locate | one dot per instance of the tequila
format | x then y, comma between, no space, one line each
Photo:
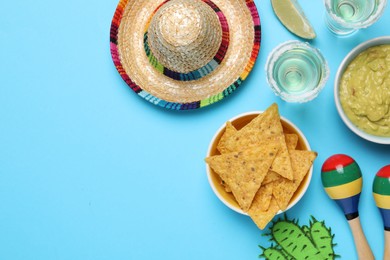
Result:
344,17
353,11
296,71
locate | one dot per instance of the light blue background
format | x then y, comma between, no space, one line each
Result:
89,170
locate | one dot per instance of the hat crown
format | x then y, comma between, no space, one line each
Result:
184,35
180,27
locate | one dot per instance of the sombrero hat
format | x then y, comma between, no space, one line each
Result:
185,54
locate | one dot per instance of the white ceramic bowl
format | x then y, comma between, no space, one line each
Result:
240,121
344,64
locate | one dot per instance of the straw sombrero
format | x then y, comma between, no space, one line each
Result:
185,54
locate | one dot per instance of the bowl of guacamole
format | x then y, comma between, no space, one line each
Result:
362,90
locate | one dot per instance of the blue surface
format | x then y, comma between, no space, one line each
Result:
89,170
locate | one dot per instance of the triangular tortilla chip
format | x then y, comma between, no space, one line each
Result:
291,141
260,128
283,189
282,162
262,218
230,130
256,130
244,171
270,177
263,197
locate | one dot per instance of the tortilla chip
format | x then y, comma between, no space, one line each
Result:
282,162
244,171
270,177
262,218
291,141
256,130
283,189
263,127
263,197
230,130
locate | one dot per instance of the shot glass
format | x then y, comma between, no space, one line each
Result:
296,71
344,17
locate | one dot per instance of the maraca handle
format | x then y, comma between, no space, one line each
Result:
362,246
386,255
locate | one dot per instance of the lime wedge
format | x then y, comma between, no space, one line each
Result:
292,17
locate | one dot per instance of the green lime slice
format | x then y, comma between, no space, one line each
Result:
292,17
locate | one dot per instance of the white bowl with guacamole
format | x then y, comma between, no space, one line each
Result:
362,90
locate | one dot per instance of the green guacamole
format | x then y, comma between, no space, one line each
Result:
365,91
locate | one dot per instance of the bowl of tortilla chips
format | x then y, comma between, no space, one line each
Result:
259,164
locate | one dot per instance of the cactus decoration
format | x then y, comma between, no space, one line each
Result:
299,242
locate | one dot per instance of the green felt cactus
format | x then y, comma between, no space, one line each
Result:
296,242
272,253
291,238
322,238
306,230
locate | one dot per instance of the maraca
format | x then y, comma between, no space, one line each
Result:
342,180
381,192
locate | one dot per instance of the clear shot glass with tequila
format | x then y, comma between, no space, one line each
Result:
344,17
296,71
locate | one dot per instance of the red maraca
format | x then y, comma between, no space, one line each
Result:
342,180
381,192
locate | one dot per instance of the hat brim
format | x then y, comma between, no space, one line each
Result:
127,50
